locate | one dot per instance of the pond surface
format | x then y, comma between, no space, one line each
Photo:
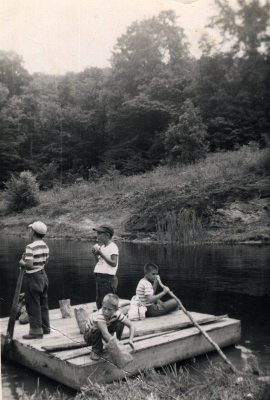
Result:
217,279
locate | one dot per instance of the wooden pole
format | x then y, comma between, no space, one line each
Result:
205,334
12,318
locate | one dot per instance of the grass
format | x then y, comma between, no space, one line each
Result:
174,383
160,202
180,228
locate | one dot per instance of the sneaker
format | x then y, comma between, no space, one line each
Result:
94,356
33,336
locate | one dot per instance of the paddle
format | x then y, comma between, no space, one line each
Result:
10,329
205,334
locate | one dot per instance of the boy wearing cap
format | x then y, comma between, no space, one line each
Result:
106,255
36,291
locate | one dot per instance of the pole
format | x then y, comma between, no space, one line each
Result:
12,318
205,334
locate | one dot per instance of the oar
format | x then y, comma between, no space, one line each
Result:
205,334
10,329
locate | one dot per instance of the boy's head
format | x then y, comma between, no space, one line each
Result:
110,305
39,229
150,271
104,232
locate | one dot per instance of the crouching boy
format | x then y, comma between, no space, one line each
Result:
103,323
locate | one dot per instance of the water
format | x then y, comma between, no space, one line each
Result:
218,280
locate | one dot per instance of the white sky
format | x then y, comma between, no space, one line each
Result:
56,36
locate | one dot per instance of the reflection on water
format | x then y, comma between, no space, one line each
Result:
218,280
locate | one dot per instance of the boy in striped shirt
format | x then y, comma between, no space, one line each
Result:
103,323
36,282
146,292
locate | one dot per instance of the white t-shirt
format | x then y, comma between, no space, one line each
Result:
144,288
102,267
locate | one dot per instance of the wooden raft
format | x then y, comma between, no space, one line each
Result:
158,341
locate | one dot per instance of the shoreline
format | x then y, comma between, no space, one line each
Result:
146,240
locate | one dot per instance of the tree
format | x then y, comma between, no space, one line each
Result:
185,141
233,88
12,73
245,27
146,49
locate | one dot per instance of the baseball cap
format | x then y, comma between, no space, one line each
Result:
104,228
38,227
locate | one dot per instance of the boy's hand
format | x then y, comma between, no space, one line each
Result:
22,263
166,289
130,342
95,249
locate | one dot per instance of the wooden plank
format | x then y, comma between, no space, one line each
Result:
64,346
190,345
69,354
170,347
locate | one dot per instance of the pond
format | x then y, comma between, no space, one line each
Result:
214,279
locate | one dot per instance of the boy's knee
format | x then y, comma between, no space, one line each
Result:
87,337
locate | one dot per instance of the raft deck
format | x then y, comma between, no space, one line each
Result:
158,341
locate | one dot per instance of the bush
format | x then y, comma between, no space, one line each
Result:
185,141
22,192
47,176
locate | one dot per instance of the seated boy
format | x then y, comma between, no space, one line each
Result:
103,323
146,291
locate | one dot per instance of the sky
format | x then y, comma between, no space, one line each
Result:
58,36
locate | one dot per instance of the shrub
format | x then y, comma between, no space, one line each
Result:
47,176
185,141
22,192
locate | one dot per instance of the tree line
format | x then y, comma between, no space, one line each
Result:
155,105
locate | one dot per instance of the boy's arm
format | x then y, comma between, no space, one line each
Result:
28,264
96,257
112,261
155,284
131,326
104,331
153,298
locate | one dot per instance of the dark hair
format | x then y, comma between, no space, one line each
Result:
150,267
39,235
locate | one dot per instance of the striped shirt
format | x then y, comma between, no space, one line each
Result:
37,251
98,316
144,289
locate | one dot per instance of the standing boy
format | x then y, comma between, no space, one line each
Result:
106,255
36,291
146,291
103,323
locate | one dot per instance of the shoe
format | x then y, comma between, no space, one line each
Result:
46,331
94,356
33,336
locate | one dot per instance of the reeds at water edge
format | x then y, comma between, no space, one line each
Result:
182,227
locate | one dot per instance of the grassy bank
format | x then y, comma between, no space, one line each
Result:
172,383
224,198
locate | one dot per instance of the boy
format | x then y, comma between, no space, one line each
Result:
146,291
106,256
103,323
36,294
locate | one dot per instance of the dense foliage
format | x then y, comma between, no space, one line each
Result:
22,192
155,105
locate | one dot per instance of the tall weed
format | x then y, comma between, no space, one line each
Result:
180,228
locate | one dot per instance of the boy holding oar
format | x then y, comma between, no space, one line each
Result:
36,292
146,292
